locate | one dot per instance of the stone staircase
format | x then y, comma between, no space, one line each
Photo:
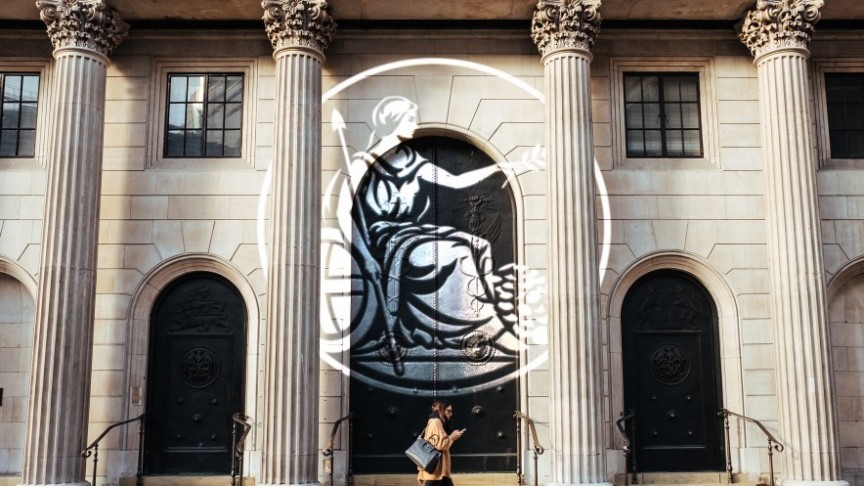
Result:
688,479
185,481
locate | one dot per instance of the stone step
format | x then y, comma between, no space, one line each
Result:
688,478
185,481
482,479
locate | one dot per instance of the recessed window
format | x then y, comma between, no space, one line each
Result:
204,116
844,97
18,122
662,115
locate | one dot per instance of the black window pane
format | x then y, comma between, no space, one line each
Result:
214,143
632,88
234,90
216,89
673,115
177,88
195,115
634,115
671,89
11,115
11,88
653,143
692,143
834,92
215,115
30,88
690,115
856,144
690,88
195,90
28,115
674,143
855,116
652,115
27,143
232,143
233,114
174,143
176,116
8,143
193,143
635,143
650,88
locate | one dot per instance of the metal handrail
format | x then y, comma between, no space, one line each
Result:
538,449
773,443
93,448
628,448
238,445
328,451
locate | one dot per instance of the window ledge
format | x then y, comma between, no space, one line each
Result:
665,163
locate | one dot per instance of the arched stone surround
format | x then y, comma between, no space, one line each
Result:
728,329
138,334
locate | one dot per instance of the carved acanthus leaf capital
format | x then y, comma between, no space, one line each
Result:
88,24
565,24
778,24
300,23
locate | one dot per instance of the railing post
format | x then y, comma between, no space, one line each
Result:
139,474
771,461
519,475
95,462
728,447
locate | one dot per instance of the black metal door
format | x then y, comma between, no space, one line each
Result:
671,373
452,315
195,380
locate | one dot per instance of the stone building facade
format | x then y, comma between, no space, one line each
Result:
665,216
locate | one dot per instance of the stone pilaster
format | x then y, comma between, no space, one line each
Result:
778,34
84,34
564,32
300,31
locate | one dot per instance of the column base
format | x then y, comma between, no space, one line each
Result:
799,482
85,483
297,484
584,484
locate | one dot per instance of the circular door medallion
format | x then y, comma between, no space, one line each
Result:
200,367
669,364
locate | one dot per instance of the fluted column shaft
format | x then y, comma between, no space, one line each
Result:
807,424
778,33
56,430
291,364
564,34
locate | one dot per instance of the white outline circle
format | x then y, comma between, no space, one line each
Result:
433,61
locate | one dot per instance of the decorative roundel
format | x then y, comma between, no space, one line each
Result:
477,348
669,364
387,354
200,367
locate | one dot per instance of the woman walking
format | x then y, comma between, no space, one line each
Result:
440,434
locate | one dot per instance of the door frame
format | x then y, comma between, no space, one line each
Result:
728,330
138,334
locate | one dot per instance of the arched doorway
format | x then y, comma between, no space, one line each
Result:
671,366
437,274
195,378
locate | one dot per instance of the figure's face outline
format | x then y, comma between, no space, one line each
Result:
407,125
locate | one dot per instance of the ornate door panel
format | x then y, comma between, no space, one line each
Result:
439,279
195,380
671,373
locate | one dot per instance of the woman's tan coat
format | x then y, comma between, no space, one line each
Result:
437,436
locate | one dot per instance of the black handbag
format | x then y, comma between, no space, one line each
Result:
424,454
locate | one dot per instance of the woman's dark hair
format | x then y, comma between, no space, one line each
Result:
438,406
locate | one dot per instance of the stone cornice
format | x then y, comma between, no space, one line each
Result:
85,24
565,24
780,24
299,23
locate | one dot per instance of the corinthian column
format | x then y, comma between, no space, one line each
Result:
84,34
778,32
300,31
564,31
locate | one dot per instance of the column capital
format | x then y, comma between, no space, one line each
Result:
780,24
299,23
565,24
85,24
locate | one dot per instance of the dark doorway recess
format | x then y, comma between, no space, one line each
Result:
455,338
195,376
672,380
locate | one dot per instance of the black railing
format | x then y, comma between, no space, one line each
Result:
328,451
92,450
538,449
773,443
628,446
238,445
